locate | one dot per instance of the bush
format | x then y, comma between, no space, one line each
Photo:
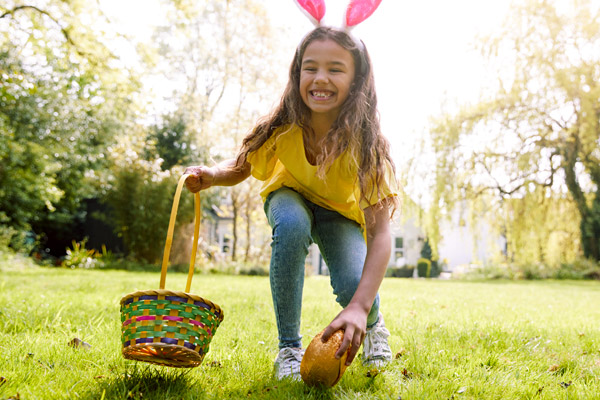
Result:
80,257
577,270
424,268
436,270
256,270
431,270
141,197
226,267
400,272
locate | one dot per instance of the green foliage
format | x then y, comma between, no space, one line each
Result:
226,86
15,240
400,272
427,253
172,142
80,257
580,269
590,227
68,104
243,268
424,268
141,196
28,176
60,105
534,237
534,136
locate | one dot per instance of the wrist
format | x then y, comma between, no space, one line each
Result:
213,174
360,306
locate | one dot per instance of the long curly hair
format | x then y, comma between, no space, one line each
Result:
356,130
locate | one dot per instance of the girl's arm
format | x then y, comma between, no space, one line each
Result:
353,318
223,174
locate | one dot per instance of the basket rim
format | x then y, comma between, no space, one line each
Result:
165,292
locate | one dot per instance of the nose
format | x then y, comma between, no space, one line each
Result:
321,76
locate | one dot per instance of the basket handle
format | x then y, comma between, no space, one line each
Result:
169,241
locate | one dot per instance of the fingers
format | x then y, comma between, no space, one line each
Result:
354,333
353,338
355,342
330,330
346,344
200,178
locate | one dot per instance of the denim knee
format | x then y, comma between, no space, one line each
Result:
345,292
289,218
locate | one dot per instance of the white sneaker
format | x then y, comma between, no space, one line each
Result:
376,350
287,363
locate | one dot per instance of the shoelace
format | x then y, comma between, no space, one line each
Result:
290,356
373,339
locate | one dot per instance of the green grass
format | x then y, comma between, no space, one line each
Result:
453,339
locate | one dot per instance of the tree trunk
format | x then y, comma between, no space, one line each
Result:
248,233
234,205
590,216
590,230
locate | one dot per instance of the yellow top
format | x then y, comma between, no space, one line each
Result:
281,161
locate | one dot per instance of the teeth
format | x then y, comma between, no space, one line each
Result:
321,94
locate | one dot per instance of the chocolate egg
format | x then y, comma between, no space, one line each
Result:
319,366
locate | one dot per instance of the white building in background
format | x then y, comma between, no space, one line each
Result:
219,231
460,245
463,245
407,241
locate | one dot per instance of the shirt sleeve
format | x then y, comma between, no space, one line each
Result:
387,188
263,160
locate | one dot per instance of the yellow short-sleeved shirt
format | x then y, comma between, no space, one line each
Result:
281,161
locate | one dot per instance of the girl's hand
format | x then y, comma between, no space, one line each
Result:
201,178
353,321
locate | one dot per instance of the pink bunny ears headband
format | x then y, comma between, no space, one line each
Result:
357,11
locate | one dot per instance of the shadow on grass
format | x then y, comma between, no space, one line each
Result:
150,383
147,383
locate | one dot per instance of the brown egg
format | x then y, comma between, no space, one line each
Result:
319,366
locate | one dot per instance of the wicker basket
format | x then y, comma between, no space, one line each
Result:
165,327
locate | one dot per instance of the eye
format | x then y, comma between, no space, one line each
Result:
309,69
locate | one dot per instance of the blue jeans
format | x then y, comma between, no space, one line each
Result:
297,223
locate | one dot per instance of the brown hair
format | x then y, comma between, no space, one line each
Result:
356,129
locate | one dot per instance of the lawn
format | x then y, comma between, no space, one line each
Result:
452,339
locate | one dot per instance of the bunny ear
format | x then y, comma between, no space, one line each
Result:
359,10
314,9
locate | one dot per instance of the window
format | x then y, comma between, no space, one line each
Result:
399,251
226,241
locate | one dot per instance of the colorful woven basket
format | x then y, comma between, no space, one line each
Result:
165,327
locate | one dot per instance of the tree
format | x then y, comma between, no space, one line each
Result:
539,133
171,141
533,236
140,196
225,84
61,103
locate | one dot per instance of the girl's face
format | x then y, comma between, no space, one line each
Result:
326,75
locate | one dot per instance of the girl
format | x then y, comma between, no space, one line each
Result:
328,179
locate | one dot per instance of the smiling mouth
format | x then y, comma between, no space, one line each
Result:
321,94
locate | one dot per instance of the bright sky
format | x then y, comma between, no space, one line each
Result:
421,51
